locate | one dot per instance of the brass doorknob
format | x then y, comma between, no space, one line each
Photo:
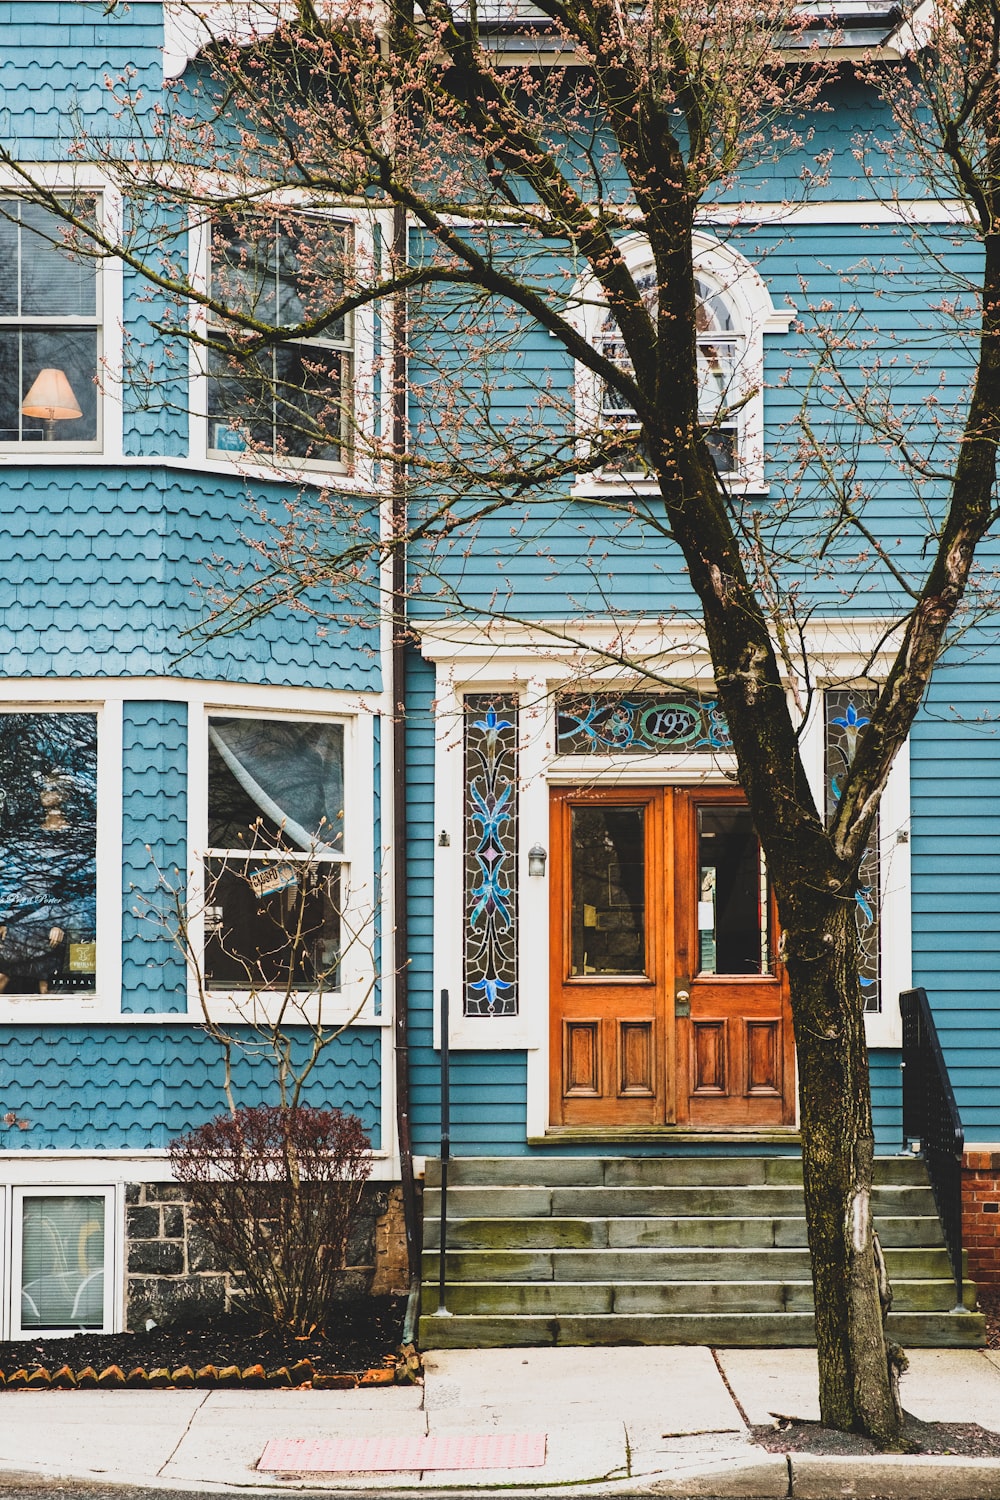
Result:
683,995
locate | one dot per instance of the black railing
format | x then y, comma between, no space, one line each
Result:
442,1309
931,1122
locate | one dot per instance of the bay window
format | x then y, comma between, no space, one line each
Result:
290,397
49,330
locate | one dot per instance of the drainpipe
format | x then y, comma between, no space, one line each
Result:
401,955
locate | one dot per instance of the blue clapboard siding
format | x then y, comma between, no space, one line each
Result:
154,854
557,554
955,790
121,1087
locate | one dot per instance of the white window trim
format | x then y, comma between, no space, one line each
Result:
105,1002
108,444
742,286
524,660
11,1250
359,891
369,227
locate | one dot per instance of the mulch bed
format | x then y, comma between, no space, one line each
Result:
362,1344
962,1439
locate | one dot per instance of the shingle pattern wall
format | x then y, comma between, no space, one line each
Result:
154,828
106,570
121,1087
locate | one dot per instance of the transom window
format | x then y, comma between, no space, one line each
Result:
291,398
274,872
49,330
719,340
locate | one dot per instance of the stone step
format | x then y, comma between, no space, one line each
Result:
564,1298
614,1266
719,1330
648,1171
751,1201
639,1234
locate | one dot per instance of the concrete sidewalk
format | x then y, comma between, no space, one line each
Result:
668,1421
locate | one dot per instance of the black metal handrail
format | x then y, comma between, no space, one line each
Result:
931,1122
442,1309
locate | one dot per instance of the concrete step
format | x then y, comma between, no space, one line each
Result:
677,1264
659,1233
750,1201
648,1171
565,1298
719,1330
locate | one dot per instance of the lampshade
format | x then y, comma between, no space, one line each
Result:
51,398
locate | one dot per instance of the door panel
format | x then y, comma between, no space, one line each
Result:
735,1062
667,1003
610,1029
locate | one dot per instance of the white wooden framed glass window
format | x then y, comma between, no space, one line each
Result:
51,344
63,1270
293,400
282,903
60,857
734,311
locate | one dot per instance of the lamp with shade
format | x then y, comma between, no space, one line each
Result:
51,399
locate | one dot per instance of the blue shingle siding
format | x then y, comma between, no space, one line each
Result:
107,569
124,1087
154,843
54,60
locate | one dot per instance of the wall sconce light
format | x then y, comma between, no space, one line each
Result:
536,860
51,399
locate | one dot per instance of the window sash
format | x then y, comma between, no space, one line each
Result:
63,1259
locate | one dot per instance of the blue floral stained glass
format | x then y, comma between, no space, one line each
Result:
490,855
640,723
846,713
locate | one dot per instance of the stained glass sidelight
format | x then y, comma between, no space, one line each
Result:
846,712
490,854
639,723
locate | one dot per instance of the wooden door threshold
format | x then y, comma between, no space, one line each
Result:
641,1135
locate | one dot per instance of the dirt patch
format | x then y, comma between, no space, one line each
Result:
364,1333
961,1439
989,1303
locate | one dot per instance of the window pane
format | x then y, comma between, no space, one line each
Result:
240,402
275,780
62,1262
243,267
48,844
74,352
308,396
311,266
8,259
54,282
609,890
732,895
10,385
271,924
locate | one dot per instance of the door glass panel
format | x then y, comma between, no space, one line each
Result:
609,890
732,895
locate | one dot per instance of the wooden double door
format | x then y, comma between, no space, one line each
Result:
668,1003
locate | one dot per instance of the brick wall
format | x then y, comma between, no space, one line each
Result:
171,1270
981,1212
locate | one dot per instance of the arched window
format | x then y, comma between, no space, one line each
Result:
734,311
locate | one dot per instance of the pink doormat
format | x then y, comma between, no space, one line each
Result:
373,1454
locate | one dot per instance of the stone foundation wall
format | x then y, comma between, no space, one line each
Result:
171,1270
981,1213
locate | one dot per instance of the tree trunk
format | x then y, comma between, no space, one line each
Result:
857,1391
